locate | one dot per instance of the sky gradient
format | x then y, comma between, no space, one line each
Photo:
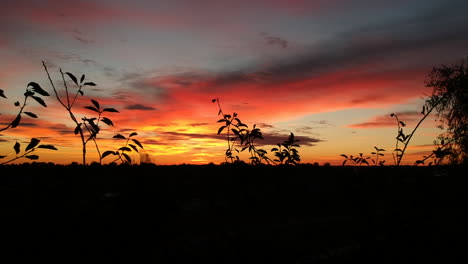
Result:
330,71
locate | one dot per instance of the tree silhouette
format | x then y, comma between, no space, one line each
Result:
450,90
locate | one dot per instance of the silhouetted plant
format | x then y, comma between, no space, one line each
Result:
238,131
287,152
359,160
31,147
443,149
247,138
121,153
32,89
450,86
89,125
92,124
377,155
405,139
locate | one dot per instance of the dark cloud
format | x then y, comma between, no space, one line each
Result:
274,40
139,107
81,36
269,138
198,124
25,124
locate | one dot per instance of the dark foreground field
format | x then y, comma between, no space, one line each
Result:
227,214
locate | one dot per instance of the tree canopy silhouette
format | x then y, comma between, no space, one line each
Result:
450,90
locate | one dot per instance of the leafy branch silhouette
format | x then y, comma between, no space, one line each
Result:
359,160
31,147
242,134
88,125
404,139
34,91
287,152
236,131
121,153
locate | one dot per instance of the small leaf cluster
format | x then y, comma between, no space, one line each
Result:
359,160
378,154
91,124
34,91
442,150
87,125
121,153
286,152
238,132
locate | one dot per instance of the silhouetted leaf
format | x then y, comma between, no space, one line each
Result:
47,147
2,156
39,100
31,114
343,155
221,120
392,114
2,94
89,84
72,77
213,100
82,78
107,153
137,142
92,108
133,147
133,134
127,157
107,121
37,88
119,136
125,149
110,110
402,123
221,129
381,150
77,128
33,143
93,135
17,103
16,122
17,147
28,93
344,162
32,157
81,92
95,103
373,153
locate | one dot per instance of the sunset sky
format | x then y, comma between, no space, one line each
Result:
329,71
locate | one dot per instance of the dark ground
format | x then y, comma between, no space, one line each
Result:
228,214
